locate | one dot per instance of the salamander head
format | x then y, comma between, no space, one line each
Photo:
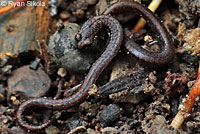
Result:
84,39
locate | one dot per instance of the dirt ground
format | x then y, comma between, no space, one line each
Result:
143,104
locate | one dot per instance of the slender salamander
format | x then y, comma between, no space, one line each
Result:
87,33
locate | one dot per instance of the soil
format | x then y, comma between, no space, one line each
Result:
147,108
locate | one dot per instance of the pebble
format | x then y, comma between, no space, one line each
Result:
4,122
65,15
93,109
91,2
193,60
64,51
190,83
28,83
16,130
91,131
79,13
73,124
5,70
62,72
110,114
109,130
52,130
132,122
35,64
2,93
159,126
125,127
3,109
197,118
190,124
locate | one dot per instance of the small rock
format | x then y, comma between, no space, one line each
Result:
125,127
28,83
132,122
35,64
52,130
91,2
91,131
64,51
62,72
92,111
84,106
73,124
148,38
15,101
10,28
2,93
3,109
79,13
6,69
192,37
109,130
197,118
152,78
190,59
160,126
190,124
110,114
150,89
190,83
16,130
65,15
188,69
176,83
5,122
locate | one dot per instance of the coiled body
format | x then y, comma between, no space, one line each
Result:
155,58
88,31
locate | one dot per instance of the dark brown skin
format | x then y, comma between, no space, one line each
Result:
157,58
87,33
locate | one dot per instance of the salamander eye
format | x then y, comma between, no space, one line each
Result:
84,43
78,36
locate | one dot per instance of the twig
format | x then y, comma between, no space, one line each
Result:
141,23
189,103
77,129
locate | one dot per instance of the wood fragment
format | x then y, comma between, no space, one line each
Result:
29,25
